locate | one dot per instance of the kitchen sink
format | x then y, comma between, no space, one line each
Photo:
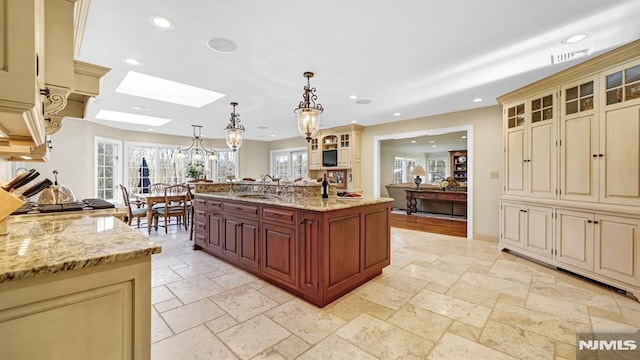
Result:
257,196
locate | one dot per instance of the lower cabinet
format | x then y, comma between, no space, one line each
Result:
601,246
528,227
317,255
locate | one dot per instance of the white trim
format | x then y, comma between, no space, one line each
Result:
118,166
287,150
468,128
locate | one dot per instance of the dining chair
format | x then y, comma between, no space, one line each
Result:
157,188
136,212
176,199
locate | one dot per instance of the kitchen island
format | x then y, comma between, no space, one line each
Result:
74,286
318,249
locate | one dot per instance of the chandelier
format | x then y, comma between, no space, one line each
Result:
308,112
234,130
197,152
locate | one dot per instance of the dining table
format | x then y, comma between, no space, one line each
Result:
157,198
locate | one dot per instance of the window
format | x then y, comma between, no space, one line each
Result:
289,163
159,159
402,169
226,167
107,156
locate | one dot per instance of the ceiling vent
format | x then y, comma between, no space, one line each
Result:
560,58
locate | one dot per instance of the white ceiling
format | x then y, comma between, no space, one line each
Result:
413,57
428,143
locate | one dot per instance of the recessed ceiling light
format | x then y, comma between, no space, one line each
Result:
222,45
396,114
131,118
273,135
132,61
262,127
432,141
434,145
477,99
353,97
574,39
151,87
354,121
450,150
413,141
140,108
363,101
150,129
161,22
463,136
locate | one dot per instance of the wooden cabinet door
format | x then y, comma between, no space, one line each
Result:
248,244
620,147
511,224
279,254
574,238
515,166
542,160
539,230
579,159
230,232
215,229
617,249
308,250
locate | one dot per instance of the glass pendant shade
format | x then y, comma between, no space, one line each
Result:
308,112
234,131
197,151
308,122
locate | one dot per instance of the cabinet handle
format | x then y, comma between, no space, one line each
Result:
600,155
589,221
524,211
596,222
239,208
595,155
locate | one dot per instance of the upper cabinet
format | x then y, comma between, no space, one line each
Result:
40,82
337,149
530,146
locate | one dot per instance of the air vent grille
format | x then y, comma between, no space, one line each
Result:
560,58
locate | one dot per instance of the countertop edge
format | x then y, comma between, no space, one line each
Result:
313,204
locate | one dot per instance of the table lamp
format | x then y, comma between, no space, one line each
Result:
418,171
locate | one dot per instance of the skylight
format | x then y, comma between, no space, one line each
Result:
131,118
151,87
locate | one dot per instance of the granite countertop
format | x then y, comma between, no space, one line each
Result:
304,203
41,245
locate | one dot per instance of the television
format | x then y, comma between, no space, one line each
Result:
330,158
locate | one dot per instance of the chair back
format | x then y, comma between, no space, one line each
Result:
125,195
178,189
157,188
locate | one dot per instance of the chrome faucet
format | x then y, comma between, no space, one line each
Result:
264,184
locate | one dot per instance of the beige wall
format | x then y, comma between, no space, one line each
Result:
387,165
73,154
487,157
295,142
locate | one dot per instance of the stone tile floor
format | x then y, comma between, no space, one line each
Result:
442,297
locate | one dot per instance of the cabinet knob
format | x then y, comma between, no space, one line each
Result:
596,222
600,155
595,155
589,221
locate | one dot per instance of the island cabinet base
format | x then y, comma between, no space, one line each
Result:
100,312
317,255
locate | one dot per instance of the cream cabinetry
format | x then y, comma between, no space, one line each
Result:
40,82
591,143
22,72
528,227
337,149
530,146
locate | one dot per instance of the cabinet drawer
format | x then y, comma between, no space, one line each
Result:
213,206
279,215
200,227
247,210
200,214
200,202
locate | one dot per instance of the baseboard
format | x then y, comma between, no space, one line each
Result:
489,238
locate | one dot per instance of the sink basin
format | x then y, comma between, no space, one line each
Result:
256,196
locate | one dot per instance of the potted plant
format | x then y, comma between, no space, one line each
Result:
195,171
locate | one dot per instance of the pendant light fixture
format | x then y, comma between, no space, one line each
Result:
197,152
234,130
308,112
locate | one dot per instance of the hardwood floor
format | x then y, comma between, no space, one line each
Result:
438,226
